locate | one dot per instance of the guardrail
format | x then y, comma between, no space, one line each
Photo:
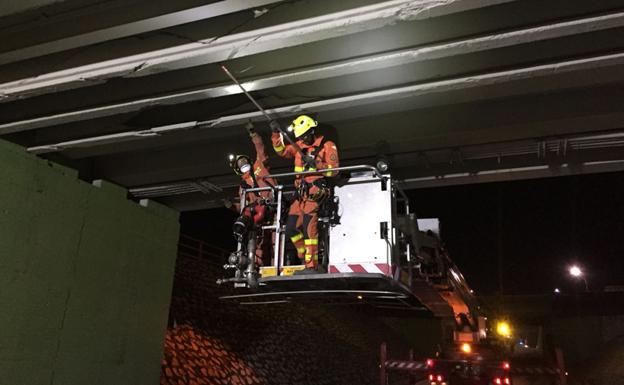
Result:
196,247
361,167
415,368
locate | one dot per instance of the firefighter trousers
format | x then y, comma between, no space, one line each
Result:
302,229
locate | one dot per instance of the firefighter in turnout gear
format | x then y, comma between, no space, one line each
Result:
256,210
317,154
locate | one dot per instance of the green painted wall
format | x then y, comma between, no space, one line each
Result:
85,277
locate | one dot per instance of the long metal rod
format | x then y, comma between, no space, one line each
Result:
251,98
362,167
259,107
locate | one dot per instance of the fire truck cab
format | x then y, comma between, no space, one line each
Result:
469,364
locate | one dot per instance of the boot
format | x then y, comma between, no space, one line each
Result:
306,271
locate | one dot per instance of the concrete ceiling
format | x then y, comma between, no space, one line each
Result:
449,91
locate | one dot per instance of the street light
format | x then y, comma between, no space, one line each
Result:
503,329
576,272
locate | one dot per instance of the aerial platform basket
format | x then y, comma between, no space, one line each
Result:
373,248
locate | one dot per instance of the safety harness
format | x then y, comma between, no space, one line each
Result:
321,183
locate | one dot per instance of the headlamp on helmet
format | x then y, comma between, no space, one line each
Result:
233,161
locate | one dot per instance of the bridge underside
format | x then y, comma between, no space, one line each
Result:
449,92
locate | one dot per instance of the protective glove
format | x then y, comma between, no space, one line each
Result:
309,161
275,127
227,202
250,128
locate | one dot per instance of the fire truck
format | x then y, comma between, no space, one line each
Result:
383,257
469,364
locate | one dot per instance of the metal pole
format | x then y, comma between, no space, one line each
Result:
412,377
243,203
383,357
278,231
408,251
560,366
282,247
229,74
262,110
500,240
251,255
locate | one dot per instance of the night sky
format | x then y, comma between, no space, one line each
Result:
545,225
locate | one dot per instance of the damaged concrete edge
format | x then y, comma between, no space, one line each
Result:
421,11
320,72
264,39
455,84
132,28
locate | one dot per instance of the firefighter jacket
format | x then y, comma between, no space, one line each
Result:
324,152
259,169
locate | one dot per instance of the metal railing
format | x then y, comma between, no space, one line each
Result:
196,247
414,368
278,247
362,167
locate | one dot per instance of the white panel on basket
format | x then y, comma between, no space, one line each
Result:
363,206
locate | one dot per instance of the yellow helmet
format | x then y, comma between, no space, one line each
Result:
303,124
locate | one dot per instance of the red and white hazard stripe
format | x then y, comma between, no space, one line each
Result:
379,268
405,365
534,370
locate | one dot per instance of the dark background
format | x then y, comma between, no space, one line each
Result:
535,228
